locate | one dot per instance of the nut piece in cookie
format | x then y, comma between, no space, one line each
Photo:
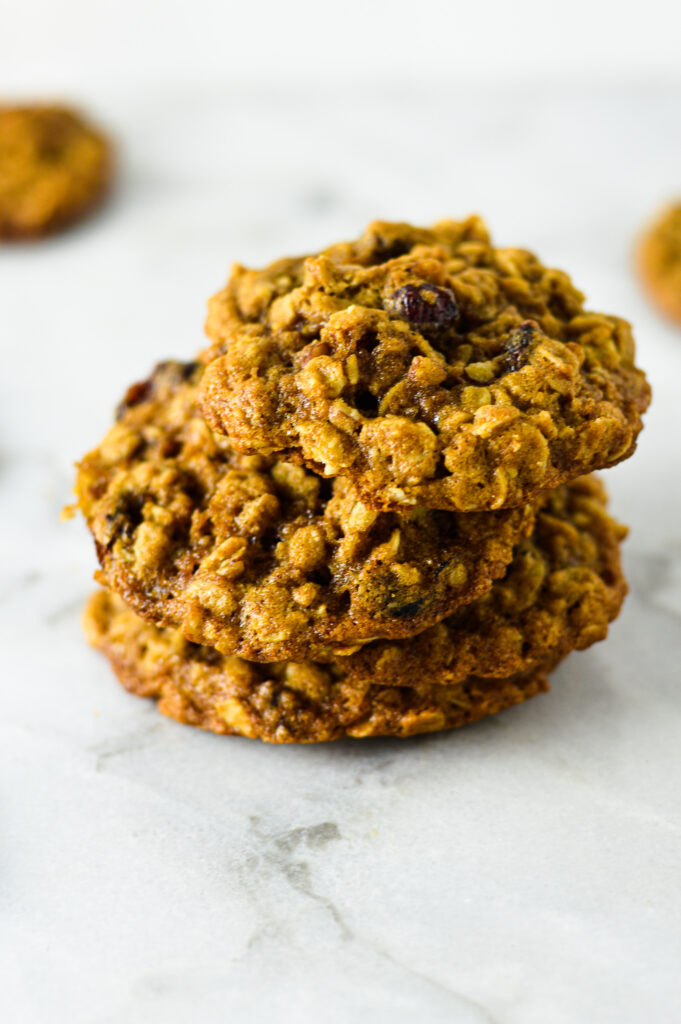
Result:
259,557
429,366
54,169
659,261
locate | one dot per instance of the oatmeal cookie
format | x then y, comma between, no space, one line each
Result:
285,702
562,590
427,365
258,557
659,261
54,168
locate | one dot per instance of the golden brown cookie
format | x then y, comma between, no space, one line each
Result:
659,261
54,169
262,558
284,703
560,593
564,587
428,365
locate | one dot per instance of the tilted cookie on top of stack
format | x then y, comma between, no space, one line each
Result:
362,511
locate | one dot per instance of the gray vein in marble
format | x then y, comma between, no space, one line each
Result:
298,875
412,972
128,744
275,858
316,836
19,584
64,611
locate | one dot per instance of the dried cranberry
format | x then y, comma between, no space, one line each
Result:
427,307
406,611
189,369
385,250
174,371
366,403
135,394
516,348
125,518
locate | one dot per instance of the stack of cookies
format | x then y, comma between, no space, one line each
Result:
363,510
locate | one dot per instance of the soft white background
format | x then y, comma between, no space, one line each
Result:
524,871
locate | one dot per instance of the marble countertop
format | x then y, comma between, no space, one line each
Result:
521,871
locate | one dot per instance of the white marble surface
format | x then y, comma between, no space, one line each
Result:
523,871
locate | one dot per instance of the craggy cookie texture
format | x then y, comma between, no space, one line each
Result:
562,590
54,168
261,558
286,702
427,365
659,261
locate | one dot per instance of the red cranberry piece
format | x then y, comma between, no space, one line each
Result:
135,394
427,307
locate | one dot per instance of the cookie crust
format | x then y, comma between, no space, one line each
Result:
54,169
258,557
428,365
285,703
659,261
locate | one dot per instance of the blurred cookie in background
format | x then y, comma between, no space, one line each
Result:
55,168
658,260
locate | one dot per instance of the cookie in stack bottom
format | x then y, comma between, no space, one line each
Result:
562,589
